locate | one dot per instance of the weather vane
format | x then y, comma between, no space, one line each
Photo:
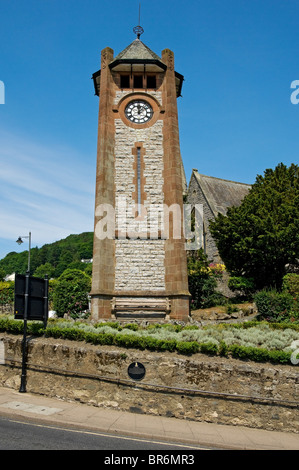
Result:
138,30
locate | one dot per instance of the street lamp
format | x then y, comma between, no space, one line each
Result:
23,376
19,241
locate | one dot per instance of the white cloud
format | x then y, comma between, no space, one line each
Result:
48,191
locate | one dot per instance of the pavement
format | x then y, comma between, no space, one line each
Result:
55,412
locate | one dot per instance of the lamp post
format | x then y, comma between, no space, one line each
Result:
23,376
20,241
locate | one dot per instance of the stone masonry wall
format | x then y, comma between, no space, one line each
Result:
195,196
199,387
139,264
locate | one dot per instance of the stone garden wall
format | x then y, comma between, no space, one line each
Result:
198,387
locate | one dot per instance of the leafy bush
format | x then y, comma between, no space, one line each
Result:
209,348
273,305
17,326
71,293
6,292
187,347
259,354
202,279
290,284
242,284
251,340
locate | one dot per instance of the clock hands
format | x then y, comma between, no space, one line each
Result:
139,112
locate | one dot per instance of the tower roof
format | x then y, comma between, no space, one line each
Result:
137,50
137,57
137,54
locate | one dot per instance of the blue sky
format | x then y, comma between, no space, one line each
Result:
238,57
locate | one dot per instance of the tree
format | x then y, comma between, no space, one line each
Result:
43,270
258,238
61,255
71,293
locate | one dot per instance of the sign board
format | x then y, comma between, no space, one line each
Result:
136,371
37,298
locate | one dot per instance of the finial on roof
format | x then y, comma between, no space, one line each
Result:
138,30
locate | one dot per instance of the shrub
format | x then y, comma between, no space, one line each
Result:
202,280
6,292
259,354
273,305
242,284
256,341
187,347
209,348
71,293
111,324
129,341
131,326
290,284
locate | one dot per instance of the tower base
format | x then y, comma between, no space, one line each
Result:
122,307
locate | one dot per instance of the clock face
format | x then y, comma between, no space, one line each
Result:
139,111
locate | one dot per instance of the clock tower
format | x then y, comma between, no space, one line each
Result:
139,259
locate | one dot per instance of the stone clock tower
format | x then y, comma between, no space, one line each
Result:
139,259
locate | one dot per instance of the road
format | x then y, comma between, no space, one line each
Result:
20,435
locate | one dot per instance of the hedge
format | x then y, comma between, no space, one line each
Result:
147,342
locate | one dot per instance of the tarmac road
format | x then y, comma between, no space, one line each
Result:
21,435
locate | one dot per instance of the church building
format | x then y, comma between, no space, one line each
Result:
216,195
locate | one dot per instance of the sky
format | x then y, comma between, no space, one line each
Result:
238,114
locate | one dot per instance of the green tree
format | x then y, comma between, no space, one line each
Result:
2,274
43,270
61,254
70,294
258,238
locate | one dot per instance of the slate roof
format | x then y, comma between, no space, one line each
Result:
137,50
221,194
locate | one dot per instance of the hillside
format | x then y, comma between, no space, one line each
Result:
53,258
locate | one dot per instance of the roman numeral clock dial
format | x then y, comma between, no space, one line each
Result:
139,111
